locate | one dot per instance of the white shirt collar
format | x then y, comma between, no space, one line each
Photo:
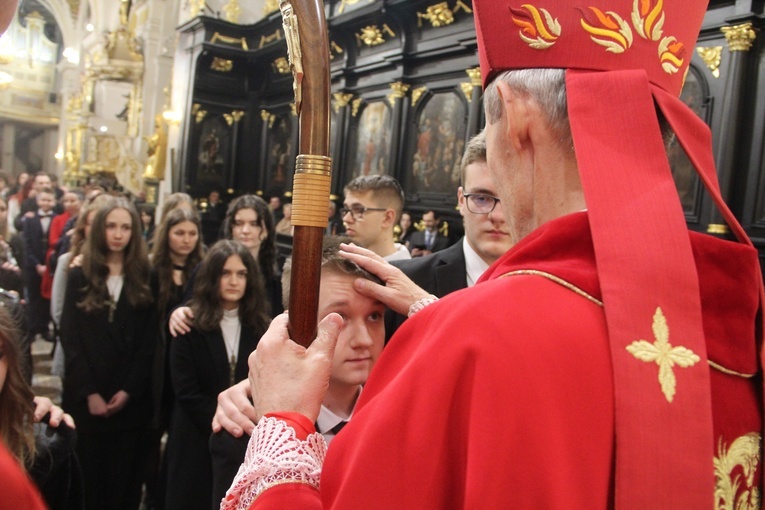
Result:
475,266
401,253
327,420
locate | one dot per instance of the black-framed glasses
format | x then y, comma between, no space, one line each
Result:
357,211
480,203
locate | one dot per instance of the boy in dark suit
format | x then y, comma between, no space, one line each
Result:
35,233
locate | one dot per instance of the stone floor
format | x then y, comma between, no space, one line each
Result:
43,383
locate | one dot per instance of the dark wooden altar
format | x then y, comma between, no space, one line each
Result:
406,98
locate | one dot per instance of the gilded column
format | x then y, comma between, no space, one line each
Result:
474,106
740,39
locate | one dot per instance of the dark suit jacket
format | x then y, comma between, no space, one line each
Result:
417,240
35,243
105,357
199,369
30,204
439,273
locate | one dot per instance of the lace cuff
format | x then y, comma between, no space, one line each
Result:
420,304
274,457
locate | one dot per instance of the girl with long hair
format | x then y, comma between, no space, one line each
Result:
15,201
250,222
45,449
109,332
16,398
229,318
60,277
177,251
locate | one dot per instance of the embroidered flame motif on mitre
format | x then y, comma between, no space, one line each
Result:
648,18
535,31
607,29
671,54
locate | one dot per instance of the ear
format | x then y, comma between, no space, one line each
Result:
461,200
515,115
389,218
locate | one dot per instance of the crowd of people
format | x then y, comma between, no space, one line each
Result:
152,320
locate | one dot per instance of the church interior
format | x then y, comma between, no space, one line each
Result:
160,96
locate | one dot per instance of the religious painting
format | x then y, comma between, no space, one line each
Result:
686,179
370,147
280,162
213,153
440,140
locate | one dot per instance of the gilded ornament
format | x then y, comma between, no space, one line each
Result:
439,15
234,41
467,89
538,33
294,51
712,57
739,37
195,108
355,105
341,100
281,65
345,3
372,35
234,116
232,11
222,65
271,121
399,92
156,151
475,76
294,109
417,94
735,470
335,48
74,7
196,7
270,6
264,114
267,39
718,228
200,116
460,5
663,354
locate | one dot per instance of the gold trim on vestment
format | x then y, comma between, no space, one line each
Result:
559,281
574,288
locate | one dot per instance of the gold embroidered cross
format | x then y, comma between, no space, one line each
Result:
663,354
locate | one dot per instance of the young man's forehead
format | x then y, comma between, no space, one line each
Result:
365,198
345,294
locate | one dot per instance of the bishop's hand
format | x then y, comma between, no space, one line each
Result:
399,292
287,377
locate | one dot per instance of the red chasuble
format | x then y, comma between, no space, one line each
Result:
16,490
501,396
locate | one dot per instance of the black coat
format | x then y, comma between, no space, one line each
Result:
439,273
106,357
199,369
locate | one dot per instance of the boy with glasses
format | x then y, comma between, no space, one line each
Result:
372,206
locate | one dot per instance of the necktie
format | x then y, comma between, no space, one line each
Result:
337,428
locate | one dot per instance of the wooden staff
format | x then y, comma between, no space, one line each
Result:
305,30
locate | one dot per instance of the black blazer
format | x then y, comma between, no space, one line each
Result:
199,369
35,242
105,357
417,240
439,273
